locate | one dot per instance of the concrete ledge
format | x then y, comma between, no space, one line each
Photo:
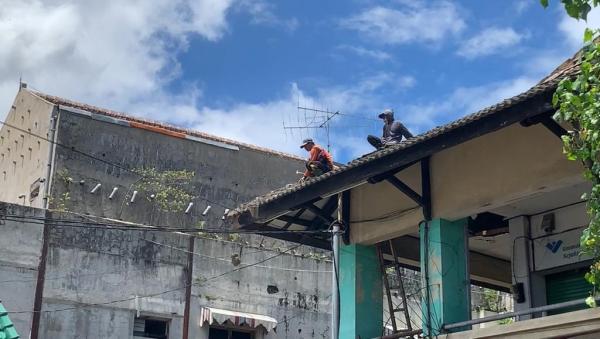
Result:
556,326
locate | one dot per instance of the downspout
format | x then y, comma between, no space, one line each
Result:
41,272
52,136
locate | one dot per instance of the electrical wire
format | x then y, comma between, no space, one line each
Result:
123,226
229,260
158,293
93,157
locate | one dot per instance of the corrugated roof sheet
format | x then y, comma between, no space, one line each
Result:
7,329
107,112
567,69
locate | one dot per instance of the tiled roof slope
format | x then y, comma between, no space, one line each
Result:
94,109
568,68
7,329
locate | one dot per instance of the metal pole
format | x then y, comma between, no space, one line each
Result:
335,300
579,302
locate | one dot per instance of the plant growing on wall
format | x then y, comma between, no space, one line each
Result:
169,188
60,204
578,104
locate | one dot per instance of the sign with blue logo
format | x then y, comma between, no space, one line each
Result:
558,250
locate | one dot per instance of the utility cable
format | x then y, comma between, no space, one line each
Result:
158,293
123,226
93,157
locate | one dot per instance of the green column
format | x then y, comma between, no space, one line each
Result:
444,260
361,292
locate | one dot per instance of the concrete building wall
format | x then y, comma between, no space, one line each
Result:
290,288
87,267
20,248
223,178
23,156
528,236
97,280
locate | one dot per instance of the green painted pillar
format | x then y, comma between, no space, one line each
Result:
444,268
361,292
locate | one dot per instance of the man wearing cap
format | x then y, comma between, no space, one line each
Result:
393,131
319,160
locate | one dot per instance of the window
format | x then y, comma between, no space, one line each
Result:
226,333
145,327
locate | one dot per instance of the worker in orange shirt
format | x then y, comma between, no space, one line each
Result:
319,160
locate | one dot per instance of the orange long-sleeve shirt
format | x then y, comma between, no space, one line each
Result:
319,154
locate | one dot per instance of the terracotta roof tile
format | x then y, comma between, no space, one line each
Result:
107,112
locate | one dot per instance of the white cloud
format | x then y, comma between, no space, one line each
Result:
462,101
490,41
415,21
375,54
262,123
522,5
573,29
262,12
104,52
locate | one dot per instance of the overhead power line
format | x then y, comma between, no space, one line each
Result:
93,157
84,305
128,226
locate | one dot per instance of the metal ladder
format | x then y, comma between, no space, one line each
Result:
403,307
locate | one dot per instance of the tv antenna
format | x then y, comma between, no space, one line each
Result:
320,119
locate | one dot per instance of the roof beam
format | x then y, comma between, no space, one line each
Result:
547,121
294,220
290,222
554,127
292,236
380,177
327,209
404,188
321,214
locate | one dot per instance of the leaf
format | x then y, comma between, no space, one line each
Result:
588,35
544,3
584,10
590,301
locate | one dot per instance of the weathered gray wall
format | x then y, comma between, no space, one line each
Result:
96,265
20,248
99,265
94,274
223,176
301,305
23,156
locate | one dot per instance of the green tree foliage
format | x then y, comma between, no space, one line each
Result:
578,104
577,9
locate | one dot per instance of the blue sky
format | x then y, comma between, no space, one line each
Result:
239,69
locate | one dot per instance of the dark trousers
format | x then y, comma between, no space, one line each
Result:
375,141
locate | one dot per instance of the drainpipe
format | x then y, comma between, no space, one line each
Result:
335,297
335,300
52,135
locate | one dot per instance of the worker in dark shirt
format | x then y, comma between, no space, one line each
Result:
393,131
319,160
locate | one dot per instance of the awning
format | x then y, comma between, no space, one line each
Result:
220,316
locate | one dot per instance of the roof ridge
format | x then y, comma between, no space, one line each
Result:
120,115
